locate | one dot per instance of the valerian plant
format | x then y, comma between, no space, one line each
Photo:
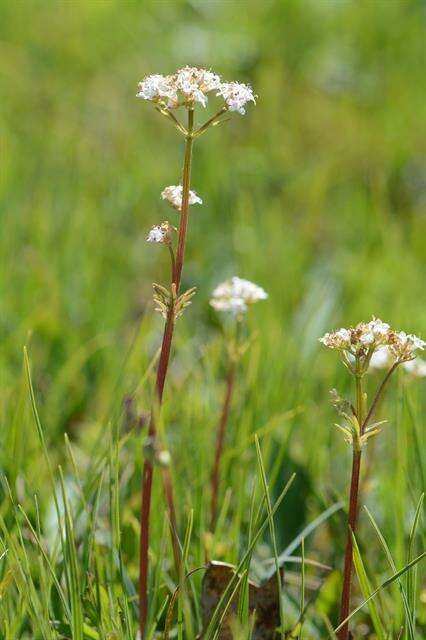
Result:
186,90
233,297
359,347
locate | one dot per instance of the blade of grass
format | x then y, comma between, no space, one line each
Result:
366,590
183,605
393,567
71,562
384,585
412,577
225,595
302,590
272,532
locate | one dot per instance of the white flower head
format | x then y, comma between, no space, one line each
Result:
173,195
160,233
340,339
187,86
362,340
379,330
194,84
158,88
403,346
374,344
191,85
236,95
236,295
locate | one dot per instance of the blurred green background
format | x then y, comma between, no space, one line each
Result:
317,194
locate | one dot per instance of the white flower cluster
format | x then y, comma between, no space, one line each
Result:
173,195
236,295
190,85
402,345
158,88
236,95
160,233
383,358
367,337
195,83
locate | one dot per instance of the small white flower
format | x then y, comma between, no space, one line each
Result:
160,233
194,83
403,345
367,338
156,234
236,95
378,328
158,88
173,195
415,367
236,295
340,339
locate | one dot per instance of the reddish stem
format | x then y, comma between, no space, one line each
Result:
160,381
230,380
353,497
352,520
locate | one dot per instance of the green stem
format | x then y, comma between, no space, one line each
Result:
210,121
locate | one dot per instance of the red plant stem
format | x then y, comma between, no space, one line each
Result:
352,520
160,381
353,497
378,396
353,512
230,380
186,181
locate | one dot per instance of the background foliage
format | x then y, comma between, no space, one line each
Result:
317,195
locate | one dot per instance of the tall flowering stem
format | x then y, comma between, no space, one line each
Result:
352,514
358,346
163,365
234,297
186,88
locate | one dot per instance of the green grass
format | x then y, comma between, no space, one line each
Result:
316,194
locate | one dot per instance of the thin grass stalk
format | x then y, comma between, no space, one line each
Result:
384,585
163,364
220,439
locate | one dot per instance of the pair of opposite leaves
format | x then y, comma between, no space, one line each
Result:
263,602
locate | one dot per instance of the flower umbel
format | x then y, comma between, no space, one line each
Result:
236,96
368,340
160,233
185,87
403,346
173,195
236,295
160,89
195,83
191,85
